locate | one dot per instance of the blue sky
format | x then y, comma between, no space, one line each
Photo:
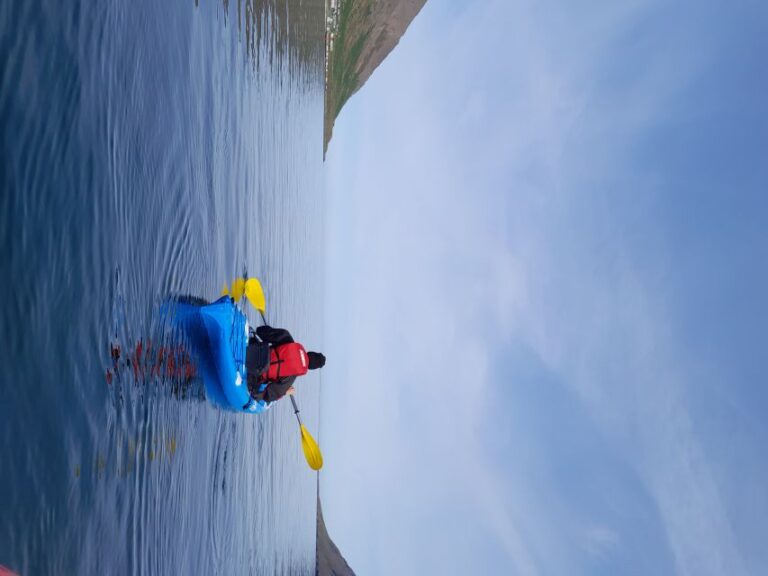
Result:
546,291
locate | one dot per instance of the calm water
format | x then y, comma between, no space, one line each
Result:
152,148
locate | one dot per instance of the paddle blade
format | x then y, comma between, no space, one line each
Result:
224,291
255,294
311,449
238,287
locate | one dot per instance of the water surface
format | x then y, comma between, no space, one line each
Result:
152,148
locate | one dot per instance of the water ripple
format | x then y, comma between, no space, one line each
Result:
147,150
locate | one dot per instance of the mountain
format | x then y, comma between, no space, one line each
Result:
330,562
361,33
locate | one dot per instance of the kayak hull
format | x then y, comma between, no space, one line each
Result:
218,334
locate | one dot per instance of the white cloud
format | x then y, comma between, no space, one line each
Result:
600,540
484,211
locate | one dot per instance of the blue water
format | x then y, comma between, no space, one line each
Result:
149,149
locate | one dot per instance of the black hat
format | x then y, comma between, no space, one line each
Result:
316,360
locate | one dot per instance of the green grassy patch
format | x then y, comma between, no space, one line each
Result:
350,39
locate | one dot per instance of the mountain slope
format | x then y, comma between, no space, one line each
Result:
330,562
366,31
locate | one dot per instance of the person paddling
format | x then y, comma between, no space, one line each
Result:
274,361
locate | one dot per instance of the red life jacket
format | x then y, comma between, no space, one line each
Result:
286,360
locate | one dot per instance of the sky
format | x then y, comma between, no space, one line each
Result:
546,294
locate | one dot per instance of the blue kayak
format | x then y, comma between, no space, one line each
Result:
218,334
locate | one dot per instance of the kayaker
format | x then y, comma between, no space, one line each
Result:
274,361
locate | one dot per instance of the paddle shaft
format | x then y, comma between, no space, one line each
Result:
296,410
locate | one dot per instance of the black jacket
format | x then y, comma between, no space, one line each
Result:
274,337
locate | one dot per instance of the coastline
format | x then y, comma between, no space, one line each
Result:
328,559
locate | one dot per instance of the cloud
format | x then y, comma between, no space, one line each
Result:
600,540
497,196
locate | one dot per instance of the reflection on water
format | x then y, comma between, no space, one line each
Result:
123,458
154,362
270,29
164,366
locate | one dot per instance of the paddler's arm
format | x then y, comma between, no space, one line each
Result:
274,336
276,390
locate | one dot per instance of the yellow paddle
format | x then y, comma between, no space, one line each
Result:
238,287
255,294
308,444
252,290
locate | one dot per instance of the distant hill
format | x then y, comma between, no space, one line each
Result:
365,32
330,562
